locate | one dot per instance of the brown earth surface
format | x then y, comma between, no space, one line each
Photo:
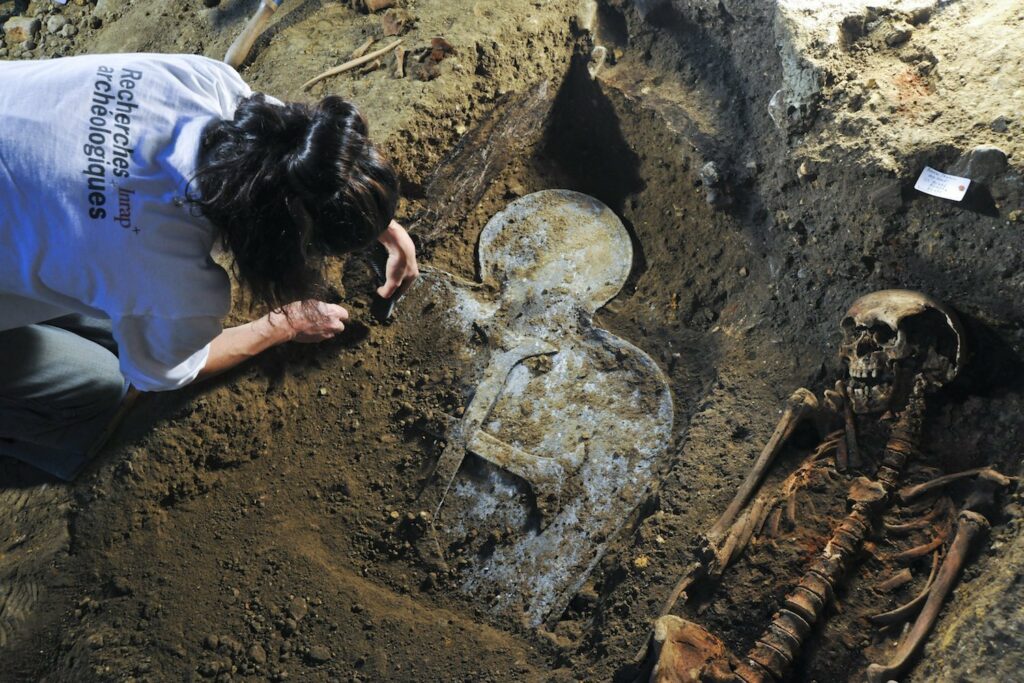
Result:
267,526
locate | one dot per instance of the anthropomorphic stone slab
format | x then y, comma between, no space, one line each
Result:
559,441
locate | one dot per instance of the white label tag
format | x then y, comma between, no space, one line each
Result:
942,185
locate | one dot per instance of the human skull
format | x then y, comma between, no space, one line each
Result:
889,339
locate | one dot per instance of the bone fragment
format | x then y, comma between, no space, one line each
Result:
372,66
905,611
970,526
911,492
351,64
943,507
400,62
684,652
908,556
851,427
842,455
774,521
361,50
900,578
797,406
742,530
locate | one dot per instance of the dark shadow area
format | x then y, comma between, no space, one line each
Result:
296,13
584,139
992,368
231,11
979,200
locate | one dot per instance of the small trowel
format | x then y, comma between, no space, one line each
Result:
381,308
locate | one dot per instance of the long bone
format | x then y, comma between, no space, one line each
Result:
798,405
969,528
722,544
907,610
909,493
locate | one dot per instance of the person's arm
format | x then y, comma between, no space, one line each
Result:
401,268
294,322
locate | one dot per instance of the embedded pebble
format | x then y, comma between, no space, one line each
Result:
55,23
297,608
257,654
319,654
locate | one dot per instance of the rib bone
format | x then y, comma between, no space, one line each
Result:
970,526
905,611
909,493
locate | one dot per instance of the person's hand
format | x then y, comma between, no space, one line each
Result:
401,268
310,321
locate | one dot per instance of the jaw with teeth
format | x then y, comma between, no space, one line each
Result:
870,384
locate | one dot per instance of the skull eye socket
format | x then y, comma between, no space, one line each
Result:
882,334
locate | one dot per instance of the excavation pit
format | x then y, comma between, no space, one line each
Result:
286,509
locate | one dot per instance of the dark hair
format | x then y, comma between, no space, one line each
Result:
286,185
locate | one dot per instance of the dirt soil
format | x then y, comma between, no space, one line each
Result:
267,526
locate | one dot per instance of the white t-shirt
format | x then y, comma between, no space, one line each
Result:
95,155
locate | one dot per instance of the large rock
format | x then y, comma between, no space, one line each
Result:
984,162
19,29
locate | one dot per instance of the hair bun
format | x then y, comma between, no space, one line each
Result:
284,183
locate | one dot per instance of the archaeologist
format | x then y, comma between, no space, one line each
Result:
118,175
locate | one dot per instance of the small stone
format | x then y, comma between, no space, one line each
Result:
21,29
598,57
231,645
897,36
95,641
297,608
1000,124
211,642
257,654
743,273
69,31
709,174
806,171
378,5
586,16
323,391
55,23
120,586
920,15
318,654
396,21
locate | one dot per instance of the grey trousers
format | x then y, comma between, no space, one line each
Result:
60,385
